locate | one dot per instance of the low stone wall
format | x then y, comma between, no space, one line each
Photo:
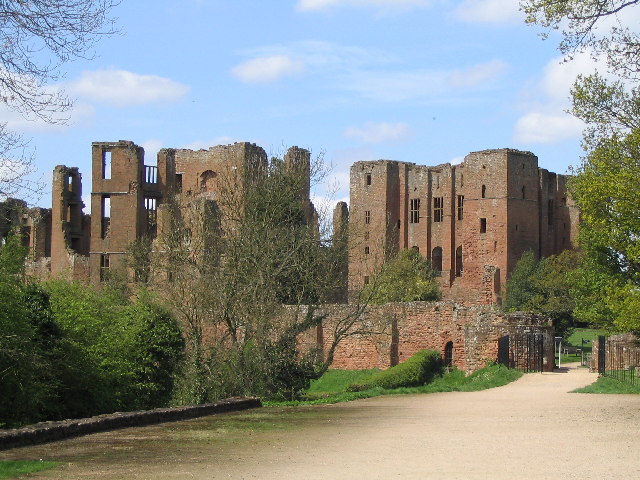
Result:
51,431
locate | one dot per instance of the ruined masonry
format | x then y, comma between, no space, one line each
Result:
473,221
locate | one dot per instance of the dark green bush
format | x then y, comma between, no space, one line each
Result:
421,368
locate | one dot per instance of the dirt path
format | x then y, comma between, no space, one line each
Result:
531,429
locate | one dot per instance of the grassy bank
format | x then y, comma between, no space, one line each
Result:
332,386
11,469
609,385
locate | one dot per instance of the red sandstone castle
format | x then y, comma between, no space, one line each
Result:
473,220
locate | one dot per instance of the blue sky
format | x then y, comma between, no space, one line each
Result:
424,81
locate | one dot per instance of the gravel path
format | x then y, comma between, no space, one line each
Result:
530,429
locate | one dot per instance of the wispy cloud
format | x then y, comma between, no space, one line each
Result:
545,120
268,69
479,74
382,6
383,132
495,12
124,88
205,144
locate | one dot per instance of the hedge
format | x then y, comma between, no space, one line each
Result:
417,370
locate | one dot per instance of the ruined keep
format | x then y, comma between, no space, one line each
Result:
473,220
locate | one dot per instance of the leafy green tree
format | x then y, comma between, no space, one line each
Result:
545,286
408,277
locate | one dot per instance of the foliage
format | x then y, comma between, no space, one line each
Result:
545,286
422,367
490,376
598,26
337,380
407,277
607,191
609,385
38,37
14,468
233,263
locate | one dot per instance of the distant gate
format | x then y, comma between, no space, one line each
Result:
523,351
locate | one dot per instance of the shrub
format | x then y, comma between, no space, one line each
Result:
419,369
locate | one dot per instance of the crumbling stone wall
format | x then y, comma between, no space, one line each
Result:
398,330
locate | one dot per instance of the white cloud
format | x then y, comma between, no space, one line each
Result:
124,88
540,127
456,160
398,86
80,114
477,74
386,6
380,132
545,120
496,12
268,69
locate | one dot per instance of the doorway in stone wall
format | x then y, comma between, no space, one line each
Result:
448,355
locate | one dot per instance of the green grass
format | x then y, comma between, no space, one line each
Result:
337,381
609,385
11,469
575,340
454,381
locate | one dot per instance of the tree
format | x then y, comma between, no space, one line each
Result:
607,190
407,277
38,37
545,286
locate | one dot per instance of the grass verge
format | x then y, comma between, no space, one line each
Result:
609,385
454,381
10,469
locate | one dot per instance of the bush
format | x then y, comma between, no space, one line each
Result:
421,368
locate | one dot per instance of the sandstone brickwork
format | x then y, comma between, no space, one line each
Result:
473,220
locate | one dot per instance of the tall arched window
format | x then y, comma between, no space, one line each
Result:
436,259
459,261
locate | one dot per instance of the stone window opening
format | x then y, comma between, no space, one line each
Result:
104,267
460,207
459,266
483,225
416,248
151,207
366,279
208,181
414,216
105,216
367,179
462,179
438,209
398,224
367,217
436,260
484,191
448,355
367,250
106,165
178,182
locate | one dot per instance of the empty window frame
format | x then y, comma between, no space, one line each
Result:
483,225
438,209
367,179
414,212
178,182
367,250
151,207
460,207
459,267
105,216
367,217
104,267
106,165
436,259
484,191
